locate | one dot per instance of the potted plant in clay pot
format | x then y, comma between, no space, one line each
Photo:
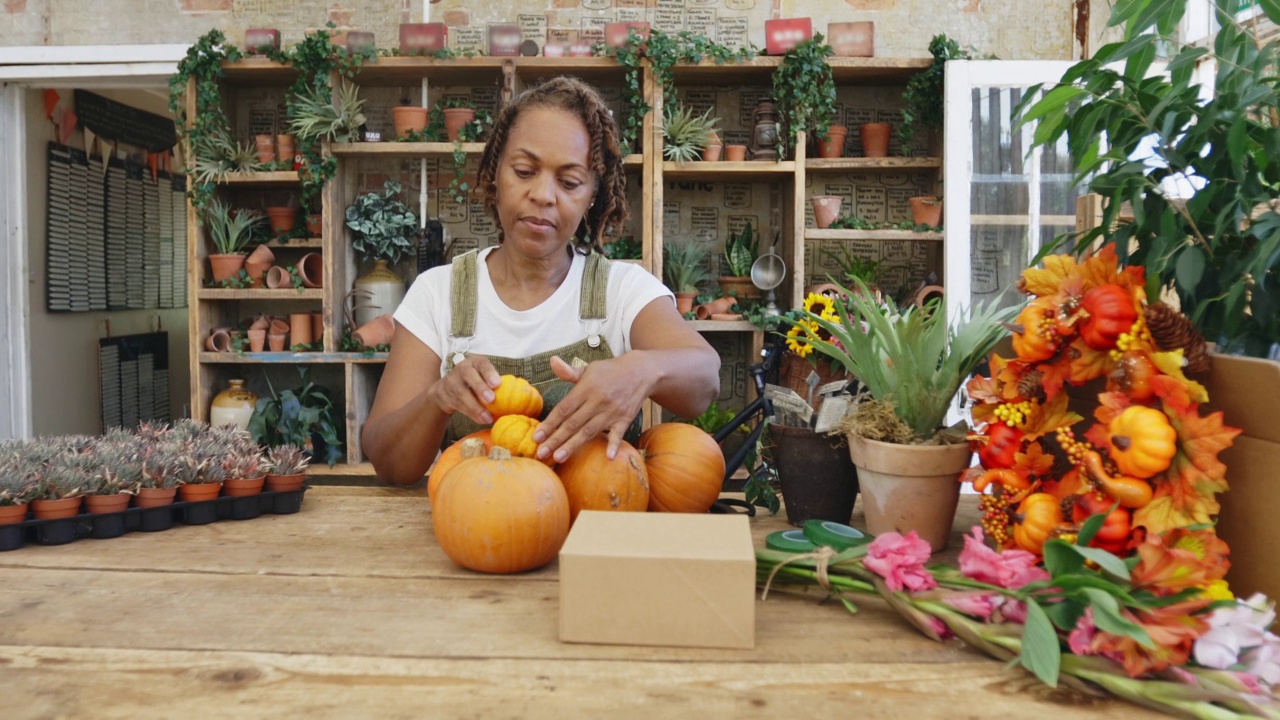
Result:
15,495
912,362
458,113
826,208
685,135
384,230
926,210
113,481
229,232
313,118
741,251
286,468
683,268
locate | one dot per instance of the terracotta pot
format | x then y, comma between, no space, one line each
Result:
275,342
12,514
684,301
711,153
315,225
909,487
285,483
826,208
719,305
455,118
317,327
735,153
261,322
741,287
726,317
225,266
284,148
258,263
311,268
219,340
300,328
154,497
266,148
199,492
826,288
278,326
926,210
102,504
282,218
278,277
377,331
817,477
409,119
257,339
56,509
875,139
244,487
833,146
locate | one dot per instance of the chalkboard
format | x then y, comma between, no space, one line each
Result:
121,123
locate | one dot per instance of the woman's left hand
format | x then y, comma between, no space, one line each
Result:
606,396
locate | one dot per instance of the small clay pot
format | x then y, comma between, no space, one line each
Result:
409,119
284,148
243,487
11,514
285,483
219,340
101,504
199,492
826,208
711,153
257,339
282,219
455,118
266,148
875,139
311,268
833,146
719,305
275,342
735,153
684,301
317,327
278,277
315,224
225,266
154,497
377,331
257,265
300,329
56,509
926,210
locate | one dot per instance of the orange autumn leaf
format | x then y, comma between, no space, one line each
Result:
1185,493
1172,385
984,390
1035,460
984,413
1087,363
1047,417
1047,281
1110,404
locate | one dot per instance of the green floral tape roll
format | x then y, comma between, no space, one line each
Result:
792,541
834,535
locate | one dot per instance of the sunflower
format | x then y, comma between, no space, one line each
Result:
822,306
798,337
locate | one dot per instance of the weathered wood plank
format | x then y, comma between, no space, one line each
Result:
83,682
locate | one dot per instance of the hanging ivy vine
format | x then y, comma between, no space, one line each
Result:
203,64
804,92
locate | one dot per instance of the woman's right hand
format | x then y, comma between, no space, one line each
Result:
467,388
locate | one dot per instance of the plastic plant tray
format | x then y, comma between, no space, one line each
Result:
110,525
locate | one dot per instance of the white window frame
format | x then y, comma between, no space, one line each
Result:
86,66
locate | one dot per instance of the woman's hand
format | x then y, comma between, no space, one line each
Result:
467,388
606,395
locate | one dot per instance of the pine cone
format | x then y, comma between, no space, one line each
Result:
1171,330
1029,385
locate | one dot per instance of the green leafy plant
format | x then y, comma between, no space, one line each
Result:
804,91
684,265
923,94
686,134
912,359
624,248
741,252
1215,241
383,224
338,118
292,416
711,419
207,132
857,268
229,231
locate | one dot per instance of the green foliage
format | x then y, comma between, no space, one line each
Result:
923,95
857,268
684,265
741,252
913,359
624,248
761,488
208,130
804,92
711,419
293,415
229,231
383,224
663,52
1219,249
686,134
338,119
850,222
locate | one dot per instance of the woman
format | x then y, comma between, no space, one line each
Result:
551,170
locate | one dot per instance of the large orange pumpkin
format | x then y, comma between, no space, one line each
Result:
515,396
594,482
515,433
451,456
500,514
685,466
1110,314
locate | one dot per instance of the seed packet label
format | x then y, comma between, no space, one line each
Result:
482,223
737,222
844,190
670,21
467,38
833,410
865,249
630,11
751,97
564,36
533,27
737,195
595,4
894,118
896,200
700,101
870,202
831,388
732,31
897,251
593,29
451,211
701,22
485,98
705,222
671,214
786,400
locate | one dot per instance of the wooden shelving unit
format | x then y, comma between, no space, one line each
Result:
353,377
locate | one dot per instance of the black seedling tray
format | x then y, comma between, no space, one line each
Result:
110,525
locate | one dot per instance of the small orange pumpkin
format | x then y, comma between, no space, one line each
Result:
1038,339
685,466
500,514
1129,492
1133,375
1040,514
1143,442
594,482
515,396
515,433
451,456
1110,314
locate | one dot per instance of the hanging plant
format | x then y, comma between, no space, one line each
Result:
211,146
804,92
923,94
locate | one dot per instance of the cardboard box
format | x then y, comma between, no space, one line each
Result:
782,35
852,39
658,579
423,38
1247,391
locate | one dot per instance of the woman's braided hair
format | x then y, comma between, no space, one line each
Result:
608,213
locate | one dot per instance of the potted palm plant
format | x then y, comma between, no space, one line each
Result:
229,231
682,267
384,230
912,362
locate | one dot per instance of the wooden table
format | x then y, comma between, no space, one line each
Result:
349,609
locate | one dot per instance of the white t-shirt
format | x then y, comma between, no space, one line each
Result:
553,324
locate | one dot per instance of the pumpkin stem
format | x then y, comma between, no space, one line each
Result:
1121,442
499,453
472,448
